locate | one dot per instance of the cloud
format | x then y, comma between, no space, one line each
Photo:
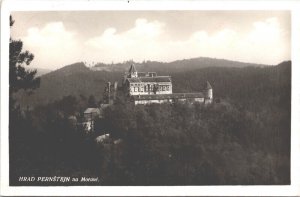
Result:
141,41
52,45
143,31
264,43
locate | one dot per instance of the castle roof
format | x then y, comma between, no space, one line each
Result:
141,74
157,79
134,80
168,96
132,69
208,86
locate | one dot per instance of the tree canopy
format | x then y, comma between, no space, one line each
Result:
20,78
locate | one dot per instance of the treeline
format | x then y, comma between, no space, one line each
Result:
178,144
184,144
241,84
176,66
244,138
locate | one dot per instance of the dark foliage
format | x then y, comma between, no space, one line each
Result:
244,138
20,80
19,77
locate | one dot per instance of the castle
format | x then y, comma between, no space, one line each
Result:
146,88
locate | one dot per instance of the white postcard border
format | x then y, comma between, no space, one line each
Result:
29,5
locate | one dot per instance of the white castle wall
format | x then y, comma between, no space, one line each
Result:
143,88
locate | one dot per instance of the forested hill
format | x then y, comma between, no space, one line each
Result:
239,80
245,86
176,66
243,138
75,79
192,64
69,70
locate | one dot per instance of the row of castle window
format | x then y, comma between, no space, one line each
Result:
150,88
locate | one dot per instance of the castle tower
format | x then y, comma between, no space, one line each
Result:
132,72
208,93
107,93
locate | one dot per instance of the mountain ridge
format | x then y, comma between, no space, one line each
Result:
178,65
78,79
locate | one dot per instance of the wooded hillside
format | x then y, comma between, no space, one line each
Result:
77,79
242,139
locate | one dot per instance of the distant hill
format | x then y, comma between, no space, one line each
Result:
247,86
187,75
175,66
192,64
41,71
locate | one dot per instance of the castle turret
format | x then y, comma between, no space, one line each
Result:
132,71
208,93
107,93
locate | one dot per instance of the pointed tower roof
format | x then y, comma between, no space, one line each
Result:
208,86
132,69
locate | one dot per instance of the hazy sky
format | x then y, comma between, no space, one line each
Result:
60,38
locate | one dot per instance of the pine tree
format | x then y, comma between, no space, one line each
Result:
19,77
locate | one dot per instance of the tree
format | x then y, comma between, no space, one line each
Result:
19,77
20,127
92,101
68,105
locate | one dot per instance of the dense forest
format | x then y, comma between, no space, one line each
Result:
242,138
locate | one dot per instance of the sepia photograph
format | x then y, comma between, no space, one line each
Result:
149,97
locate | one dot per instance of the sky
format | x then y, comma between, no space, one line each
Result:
59,38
